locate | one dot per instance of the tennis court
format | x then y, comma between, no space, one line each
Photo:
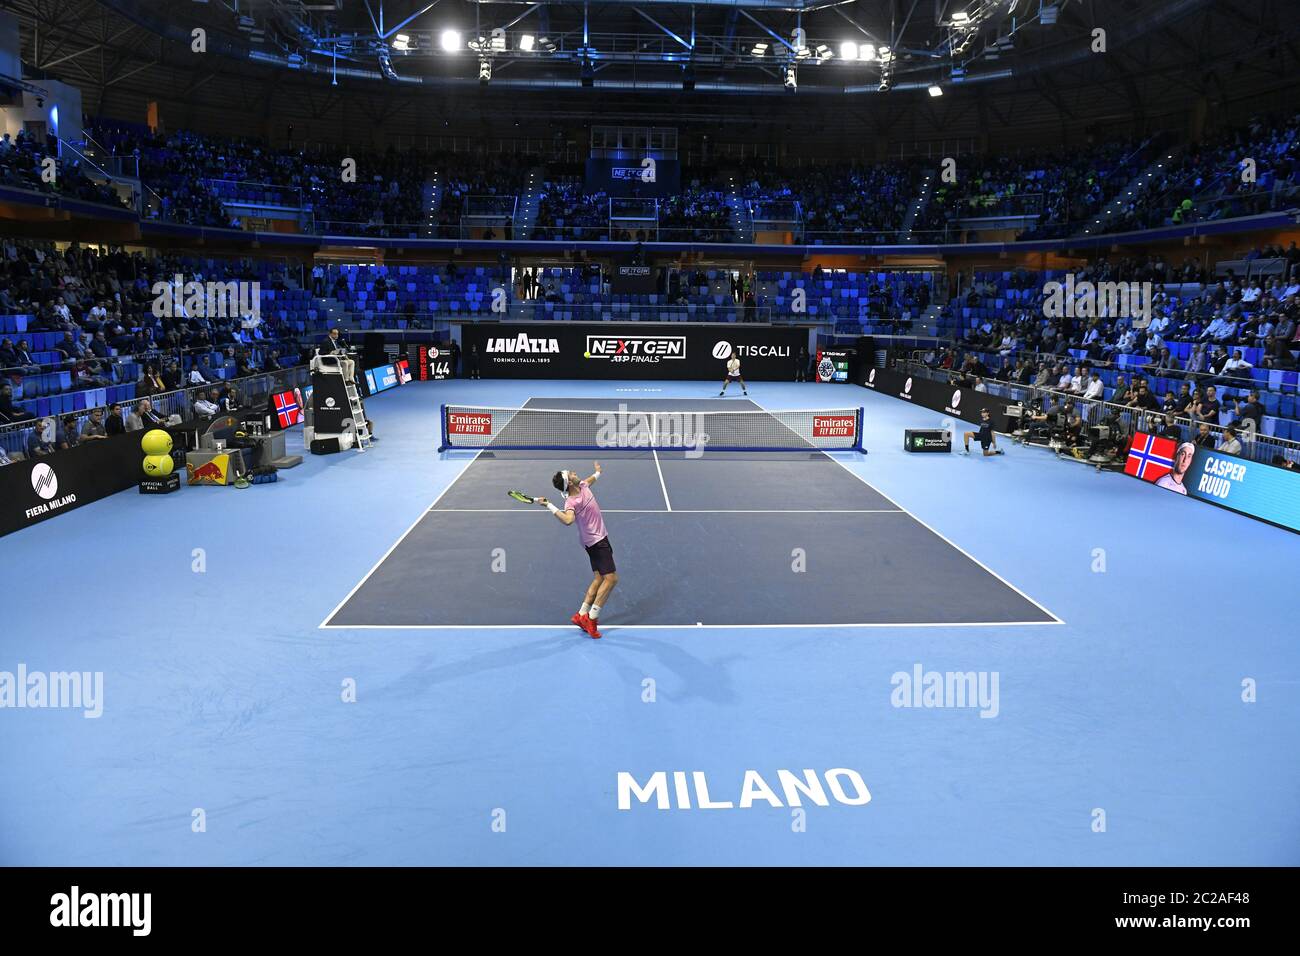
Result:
730,536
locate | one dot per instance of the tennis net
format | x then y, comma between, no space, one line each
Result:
566,429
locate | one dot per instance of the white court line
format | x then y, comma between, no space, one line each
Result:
944,538
661,479
669,627
679,511
326,623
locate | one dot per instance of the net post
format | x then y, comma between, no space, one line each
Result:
442,415
857,446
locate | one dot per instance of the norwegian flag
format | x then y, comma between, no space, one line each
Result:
287,409
1150,457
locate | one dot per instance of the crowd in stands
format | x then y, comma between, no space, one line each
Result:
568,211
196,179
186,175
22,161
1211,180
94,311
698,213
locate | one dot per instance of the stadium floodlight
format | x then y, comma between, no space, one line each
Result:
848,50
484,70
961,16
789,78
526,42
823,52
867,52
936,91
759,49
402,43
450,41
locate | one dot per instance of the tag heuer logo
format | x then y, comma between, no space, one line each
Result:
44,481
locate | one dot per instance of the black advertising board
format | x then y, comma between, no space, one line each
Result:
432,363
962,403
641,350
41,488
640,280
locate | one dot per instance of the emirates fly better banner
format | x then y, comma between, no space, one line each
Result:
642,350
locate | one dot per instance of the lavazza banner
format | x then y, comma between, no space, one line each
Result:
644,350
960,403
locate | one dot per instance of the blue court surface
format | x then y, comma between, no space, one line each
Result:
370,661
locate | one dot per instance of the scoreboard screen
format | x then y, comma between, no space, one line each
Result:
836,365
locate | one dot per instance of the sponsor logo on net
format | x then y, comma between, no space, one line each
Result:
649,349
56,690
469,423
693,790
834,426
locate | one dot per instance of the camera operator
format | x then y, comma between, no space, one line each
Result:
1108,439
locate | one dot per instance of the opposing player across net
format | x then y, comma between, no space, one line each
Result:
568,429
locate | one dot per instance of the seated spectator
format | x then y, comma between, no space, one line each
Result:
1204,437
206,406
9,412
113,422
43,439
144,417
69,433
94,428
1230,444
1207,409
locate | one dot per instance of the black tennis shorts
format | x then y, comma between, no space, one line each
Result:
602,557
985,435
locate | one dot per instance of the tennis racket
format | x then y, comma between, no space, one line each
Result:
520,496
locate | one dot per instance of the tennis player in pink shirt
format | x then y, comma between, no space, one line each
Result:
580,506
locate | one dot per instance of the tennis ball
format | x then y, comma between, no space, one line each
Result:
586,355
158,466
156,442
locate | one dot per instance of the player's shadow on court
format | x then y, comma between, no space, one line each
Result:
427,674
707,680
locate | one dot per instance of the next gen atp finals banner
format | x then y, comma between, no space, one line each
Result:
1251,488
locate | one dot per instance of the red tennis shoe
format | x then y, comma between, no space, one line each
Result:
581,620
590,627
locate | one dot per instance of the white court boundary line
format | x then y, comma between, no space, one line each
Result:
680,511
326,626
668,504
1054,618
338,607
